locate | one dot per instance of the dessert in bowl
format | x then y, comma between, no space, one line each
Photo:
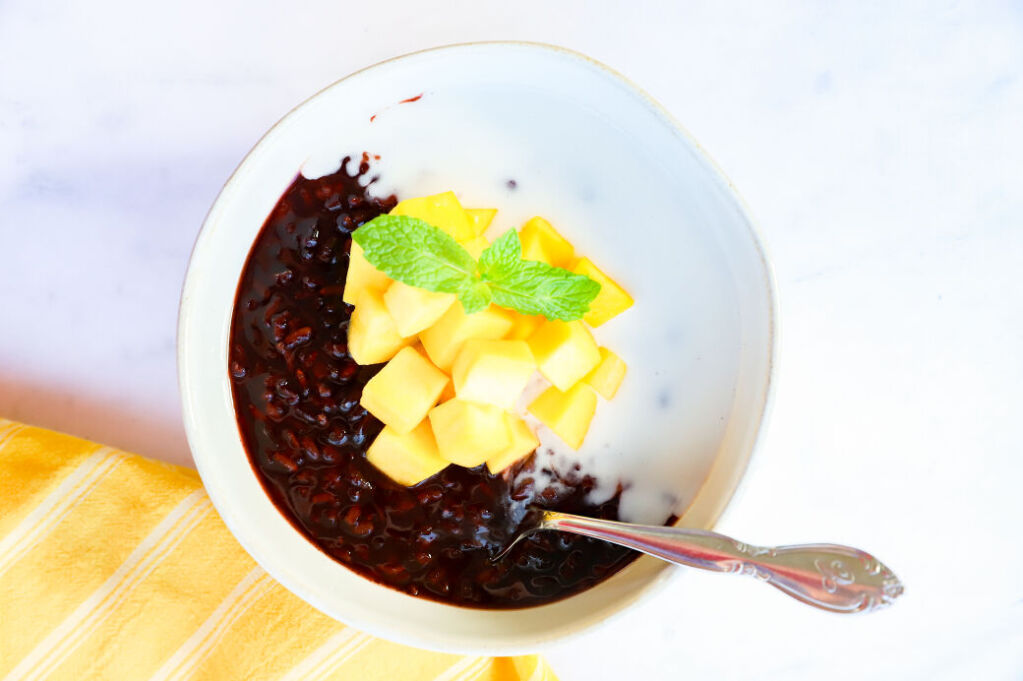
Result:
353,430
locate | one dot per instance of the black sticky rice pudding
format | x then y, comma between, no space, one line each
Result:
296,393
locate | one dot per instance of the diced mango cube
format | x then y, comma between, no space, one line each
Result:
568,414
407,459
444,339
440,210
492,371
469,433
565,352
480,218
403,391
523,443
612,299
533,250
361,276
607,375
523,325
415,309
540,241
448,393
476,246
372,334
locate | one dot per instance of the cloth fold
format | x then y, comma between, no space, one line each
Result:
116,567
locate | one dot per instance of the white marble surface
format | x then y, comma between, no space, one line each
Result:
879,148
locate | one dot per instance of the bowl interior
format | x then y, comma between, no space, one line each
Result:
632,191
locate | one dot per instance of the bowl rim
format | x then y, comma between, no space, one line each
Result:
743,468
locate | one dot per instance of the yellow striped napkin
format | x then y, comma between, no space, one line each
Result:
116,567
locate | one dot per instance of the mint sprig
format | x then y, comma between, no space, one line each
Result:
411,251
416,253
532,287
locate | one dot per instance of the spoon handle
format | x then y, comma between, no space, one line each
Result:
828,576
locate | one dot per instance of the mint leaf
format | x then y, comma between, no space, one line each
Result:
416,253
536,288
503,254
476,297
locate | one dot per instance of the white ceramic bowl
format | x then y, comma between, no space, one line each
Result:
632,189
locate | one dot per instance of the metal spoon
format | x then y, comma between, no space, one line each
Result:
827,576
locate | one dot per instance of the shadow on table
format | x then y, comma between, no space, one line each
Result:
158,435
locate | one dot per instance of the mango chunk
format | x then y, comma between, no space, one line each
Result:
448,393
372,334
404,391
523,443
407,459
480,218
469,433
415,309
440,210
608,375
540,241
492,371
476,246
444,339
568,414
362,276
565,352
612,299
523,325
